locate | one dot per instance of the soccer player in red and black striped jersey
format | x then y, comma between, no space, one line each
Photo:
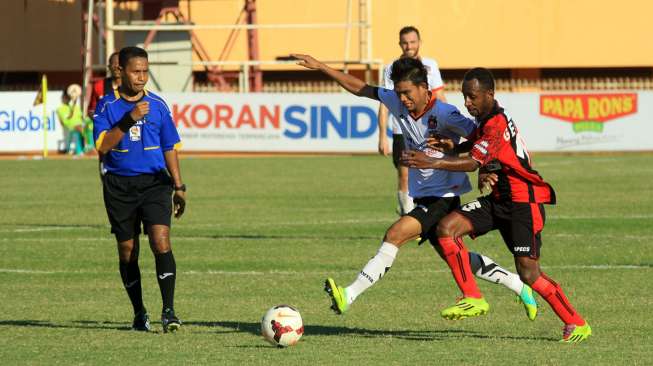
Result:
514,207
106,86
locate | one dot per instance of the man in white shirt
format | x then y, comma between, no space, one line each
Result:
409,41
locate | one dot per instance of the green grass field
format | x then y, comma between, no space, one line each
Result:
265,231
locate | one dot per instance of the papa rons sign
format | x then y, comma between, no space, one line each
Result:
579,121
588,112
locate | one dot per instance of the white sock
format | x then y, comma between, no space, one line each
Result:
405,202
485,268
373,271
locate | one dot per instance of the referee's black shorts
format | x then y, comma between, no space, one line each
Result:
397,148
145,198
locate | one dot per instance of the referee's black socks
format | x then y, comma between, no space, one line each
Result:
166,271
131,279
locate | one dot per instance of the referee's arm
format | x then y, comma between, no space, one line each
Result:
112,137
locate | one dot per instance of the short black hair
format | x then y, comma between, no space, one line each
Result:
408,29
483,75
127,53
409,69
112,56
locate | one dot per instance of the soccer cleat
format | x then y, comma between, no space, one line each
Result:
338,297
141,321
528,300
572,333
170,321
466,308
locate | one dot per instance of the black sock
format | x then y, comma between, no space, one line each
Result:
166,271
131,279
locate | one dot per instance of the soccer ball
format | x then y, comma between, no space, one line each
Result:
282,326
74,91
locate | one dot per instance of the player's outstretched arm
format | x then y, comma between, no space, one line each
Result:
349,82
418,159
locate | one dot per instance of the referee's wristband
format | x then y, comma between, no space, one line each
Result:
126,122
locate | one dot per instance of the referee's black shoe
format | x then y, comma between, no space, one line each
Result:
141,321
170,321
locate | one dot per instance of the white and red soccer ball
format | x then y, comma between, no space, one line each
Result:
282,326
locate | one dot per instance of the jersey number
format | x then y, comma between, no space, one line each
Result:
471,206
519,143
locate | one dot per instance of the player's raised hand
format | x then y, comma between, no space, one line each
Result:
440,143
486,181
417,159
307,61
140,110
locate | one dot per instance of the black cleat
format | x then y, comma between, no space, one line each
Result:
141,321
170,321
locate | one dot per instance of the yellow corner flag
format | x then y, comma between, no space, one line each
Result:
42,98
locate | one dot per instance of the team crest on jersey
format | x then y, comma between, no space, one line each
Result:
135,133
432,125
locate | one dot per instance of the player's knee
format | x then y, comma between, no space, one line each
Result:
396,235
528,274
392,236
127,252
446,228
160,246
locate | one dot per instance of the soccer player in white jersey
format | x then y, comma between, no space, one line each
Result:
437,192
410,42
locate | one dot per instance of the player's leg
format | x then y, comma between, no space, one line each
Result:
406,204
121,205
487,269
403,230
157,210
474,217
527,223
130,274
166,274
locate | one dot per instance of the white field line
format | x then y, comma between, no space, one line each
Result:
388,220
303,273
235,237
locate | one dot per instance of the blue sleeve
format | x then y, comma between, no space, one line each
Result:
389,98
452,120
169,135
101,121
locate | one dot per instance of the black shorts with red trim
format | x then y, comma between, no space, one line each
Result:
130,201
398,147
520,224
429,211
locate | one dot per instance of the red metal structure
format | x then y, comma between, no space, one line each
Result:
160,10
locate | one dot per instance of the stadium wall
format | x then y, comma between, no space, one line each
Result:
337,123
459,34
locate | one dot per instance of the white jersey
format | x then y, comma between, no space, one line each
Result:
434,79
439,118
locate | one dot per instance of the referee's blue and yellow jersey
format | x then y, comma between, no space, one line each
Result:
141,149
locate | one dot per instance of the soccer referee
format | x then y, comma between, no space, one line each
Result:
137,141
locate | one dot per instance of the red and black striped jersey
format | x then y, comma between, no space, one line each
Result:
497,140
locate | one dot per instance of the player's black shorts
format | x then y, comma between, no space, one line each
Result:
429,211
145,198
520,224
397,148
